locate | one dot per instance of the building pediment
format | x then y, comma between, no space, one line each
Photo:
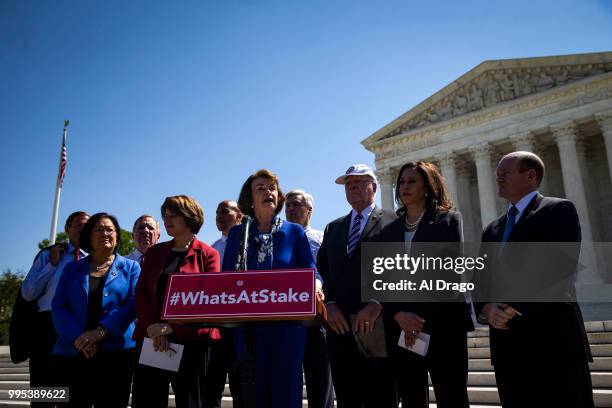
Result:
493,83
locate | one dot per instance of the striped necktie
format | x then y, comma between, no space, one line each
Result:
354,234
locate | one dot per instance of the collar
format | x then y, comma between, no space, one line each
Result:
70,250
365,212
223,238
523,202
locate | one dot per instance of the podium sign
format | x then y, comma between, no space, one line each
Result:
241,296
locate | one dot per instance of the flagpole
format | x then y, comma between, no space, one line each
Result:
58,187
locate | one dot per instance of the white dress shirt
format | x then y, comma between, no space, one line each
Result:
220,245
135,256
315,237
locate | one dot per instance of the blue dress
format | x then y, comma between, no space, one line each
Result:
279,347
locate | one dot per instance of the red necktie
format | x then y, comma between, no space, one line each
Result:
77,254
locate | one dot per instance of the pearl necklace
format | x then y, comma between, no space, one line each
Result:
412,226
186,247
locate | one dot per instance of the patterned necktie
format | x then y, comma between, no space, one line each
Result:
353,238
510,221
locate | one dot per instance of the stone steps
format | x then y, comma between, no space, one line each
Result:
481,379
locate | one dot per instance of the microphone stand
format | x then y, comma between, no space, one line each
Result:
246,368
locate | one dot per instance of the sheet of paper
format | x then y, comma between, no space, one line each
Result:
421,345
166,360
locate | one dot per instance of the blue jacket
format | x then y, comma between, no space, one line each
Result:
117,312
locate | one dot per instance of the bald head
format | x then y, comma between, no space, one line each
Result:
228,214
518,174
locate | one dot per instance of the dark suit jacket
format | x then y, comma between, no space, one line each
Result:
441,228
341,273
545,330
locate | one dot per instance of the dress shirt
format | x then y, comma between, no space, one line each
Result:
365,215
315,237
41,281
135,256
219,245
522,204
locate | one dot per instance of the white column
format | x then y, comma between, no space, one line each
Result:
471,225
565,135
385,179
605,124
449,171
526,142
486,183
523,142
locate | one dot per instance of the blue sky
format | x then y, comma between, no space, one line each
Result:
191,97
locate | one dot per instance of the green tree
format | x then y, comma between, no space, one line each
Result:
60,237
127,244
10,283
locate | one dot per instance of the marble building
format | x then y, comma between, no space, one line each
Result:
559,107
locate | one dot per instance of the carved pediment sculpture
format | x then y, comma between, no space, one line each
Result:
495,86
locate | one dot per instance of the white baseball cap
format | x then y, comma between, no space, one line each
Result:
356,170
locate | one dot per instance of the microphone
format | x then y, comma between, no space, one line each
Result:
241,256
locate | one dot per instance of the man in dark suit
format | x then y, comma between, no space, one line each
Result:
358,381
539,349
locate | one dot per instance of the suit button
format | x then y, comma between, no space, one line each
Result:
106,294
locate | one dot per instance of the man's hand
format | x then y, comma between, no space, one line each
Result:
411,324
499,314
366,318
336,320
159,329
56,253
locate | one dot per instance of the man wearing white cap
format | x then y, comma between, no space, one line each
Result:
358,381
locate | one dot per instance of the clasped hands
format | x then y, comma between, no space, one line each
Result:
499,314
158,332
86,342
366,318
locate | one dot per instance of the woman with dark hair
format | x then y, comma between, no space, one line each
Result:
93,313
272,244
426,217
183,217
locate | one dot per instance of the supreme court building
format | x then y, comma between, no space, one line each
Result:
558,107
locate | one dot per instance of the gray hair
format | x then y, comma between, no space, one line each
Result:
142,217
308,200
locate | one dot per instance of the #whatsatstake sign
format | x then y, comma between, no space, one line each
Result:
241,296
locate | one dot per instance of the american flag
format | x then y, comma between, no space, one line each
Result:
63,162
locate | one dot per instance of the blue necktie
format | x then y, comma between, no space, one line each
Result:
353,238
510,221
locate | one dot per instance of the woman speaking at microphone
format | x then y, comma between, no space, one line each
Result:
272,244
183,217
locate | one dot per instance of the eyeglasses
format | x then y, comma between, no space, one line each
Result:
100,230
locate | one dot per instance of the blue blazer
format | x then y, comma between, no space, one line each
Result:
117,313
